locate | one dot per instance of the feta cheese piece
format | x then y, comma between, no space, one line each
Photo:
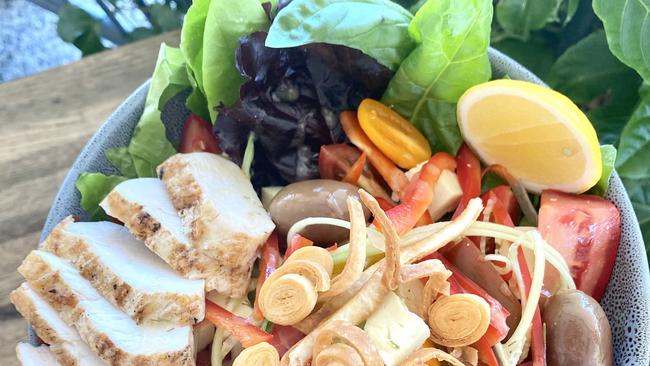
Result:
446,194
395,331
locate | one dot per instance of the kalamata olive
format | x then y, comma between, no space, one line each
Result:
314,198
577,331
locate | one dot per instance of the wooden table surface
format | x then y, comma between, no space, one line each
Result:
45,120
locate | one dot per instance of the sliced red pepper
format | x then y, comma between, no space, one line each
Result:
246,332
419,193
268,264
298,241
393,175
537,345
498,329
355,172
385,204
504,194
469,177
485,352
284,337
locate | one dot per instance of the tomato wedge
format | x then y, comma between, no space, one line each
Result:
245,332
586,230
298,241
197,136
469,177
268,264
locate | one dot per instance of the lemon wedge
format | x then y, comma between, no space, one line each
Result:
538,134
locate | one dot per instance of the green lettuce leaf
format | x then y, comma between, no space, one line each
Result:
634,147
149,145
451,56
519,17
93,188
227,21
122,160
608,153
378,28
627,24
192,38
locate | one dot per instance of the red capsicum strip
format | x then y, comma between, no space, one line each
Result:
245,332
298,241
469,177
393,175
268,264
419,193
538,347
356,170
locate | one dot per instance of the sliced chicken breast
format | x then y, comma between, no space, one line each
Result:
221,214
66,346
29,355
114,336
145,209
126,273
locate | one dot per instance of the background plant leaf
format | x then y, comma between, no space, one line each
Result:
634,148
78,27
519,17
627,23
639,192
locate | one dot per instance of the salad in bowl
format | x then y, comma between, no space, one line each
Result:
350,185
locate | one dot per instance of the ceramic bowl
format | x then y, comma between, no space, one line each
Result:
626,301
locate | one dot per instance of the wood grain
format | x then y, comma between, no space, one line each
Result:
45,120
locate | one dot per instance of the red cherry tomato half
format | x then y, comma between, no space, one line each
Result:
586,230
197,136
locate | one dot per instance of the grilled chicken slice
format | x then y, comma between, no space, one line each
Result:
145,208
29,355
126,273
65,343
115,337
221,215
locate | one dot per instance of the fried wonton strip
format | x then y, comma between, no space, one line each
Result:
340,331
372,294
392,246
421,356
458,320
332,305
261,354
428,268
436,284
357,256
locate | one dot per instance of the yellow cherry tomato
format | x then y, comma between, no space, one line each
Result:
396,137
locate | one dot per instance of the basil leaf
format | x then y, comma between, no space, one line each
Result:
93,187
378,28
149,145
192,38
519,17
634,147
627,24
122,160
608,153
451,56
225,23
